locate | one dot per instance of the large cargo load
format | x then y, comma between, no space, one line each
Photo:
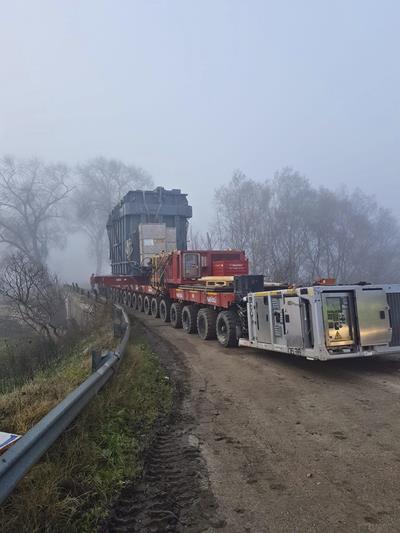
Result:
144,223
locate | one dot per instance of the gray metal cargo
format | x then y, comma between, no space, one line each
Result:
167,209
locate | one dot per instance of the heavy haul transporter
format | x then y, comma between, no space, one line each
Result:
210,292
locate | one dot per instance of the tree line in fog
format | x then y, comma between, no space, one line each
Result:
293,232
40,205
290,230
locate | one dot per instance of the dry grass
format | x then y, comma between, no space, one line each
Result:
24,406
72,487
24,357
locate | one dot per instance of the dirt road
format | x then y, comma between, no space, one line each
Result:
289,444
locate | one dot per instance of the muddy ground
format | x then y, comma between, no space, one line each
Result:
278,443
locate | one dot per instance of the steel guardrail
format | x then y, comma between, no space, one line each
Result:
26,452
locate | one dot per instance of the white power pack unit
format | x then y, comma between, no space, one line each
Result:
326,322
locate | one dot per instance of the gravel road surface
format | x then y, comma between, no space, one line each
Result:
289,444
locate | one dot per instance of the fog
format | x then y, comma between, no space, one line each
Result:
191,91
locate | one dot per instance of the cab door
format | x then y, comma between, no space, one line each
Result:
293,322
373,317
278,328
263,319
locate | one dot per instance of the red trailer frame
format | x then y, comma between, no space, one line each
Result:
191,289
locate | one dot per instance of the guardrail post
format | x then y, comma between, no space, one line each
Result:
99,359
118,321
96,358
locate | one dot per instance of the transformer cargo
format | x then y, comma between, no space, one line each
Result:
145,223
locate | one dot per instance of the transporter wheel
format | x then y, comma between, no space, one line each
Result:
147,305
140,303
207,324
189,318
129,299
134,301
119,296
124,297
227,322
164,309
154,307
176,315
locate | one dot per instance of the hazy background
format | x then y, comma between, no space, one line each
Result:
191,91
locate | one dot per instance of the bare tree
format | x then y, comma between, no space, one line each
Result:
203,241
102,183
293,232
242,220
31,196
291,199
33,295
351,238
384,260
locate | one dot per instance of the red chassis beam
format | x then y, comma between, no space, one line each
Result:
200,296
203,297
117,282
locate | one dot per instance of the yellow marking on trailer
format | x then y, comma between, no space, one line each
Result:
264,293
269,293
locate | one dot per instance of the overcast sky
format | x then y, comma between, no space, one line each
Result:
191,90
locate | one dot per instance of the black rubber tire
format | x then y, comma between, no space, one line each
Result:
164,310
207,324
155,307
129,299
134,300
140,303
124,297
176,315
189,318
227,321
147,305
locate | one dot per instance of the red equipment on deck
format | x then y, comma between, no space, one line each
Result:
183,267
193,276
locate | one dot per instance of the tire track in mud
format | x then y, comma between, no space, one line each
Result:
290,445
174,494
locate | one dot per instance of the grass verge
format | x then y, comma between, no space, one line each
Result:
23,406
72,488
26,356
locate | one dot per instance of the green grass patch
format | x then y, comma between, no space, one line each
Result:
21,358
27,357
73,486
25,404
